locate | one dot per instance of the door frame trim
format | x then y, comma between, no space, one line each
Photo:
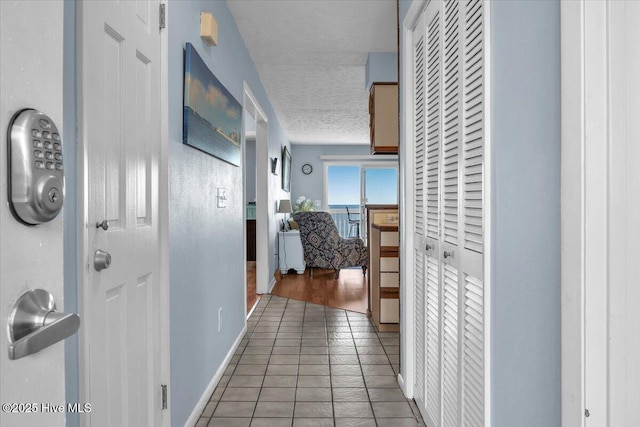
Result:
250,103
163,222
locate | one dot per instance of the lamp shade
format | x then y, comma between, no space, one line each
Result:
285,206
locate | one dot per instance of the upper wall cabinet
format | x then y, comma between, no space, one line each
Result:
383,122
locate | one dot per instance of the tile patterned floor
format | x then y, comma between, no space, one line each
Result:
307,365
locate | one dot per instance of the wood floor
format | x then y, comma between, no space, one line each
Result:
252,296
349,292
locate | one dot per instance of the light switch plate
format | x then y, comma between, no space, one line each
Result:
222,197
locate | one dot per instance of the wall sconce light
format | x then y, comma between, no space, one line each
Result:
208,29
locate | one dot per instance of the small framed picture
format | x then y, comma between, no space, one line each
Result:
286,170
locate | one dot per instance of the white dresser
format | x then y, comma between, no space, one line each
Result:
290,253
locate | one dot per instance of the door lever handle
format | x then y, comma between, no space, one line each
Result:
34,324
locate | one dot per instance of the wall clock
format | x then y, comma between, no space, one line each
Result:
307,169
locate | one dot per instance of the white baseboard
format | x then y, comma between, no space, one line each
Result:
204,399
403,386
272,284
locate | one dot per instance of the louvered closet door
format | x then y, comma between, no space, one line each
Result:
472,214
449,95
449,236
419,131
427,48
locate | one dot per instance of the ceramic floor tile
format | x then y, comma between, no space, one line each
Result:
277,394
271,422
254,359
241,394
343,359
392,410
381,381
208,409
282,370
374,359
313,410
246,381
399,422
350,395
355,422
284,359
347,381
286,350
313,422
352,410
250,370
345,370
377,370
386,395
234,409
274,410
313,370
229,422
280,380
307,359
317,362
314,381
313,394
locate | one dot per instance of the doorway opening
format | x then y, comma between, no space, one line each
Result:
256,160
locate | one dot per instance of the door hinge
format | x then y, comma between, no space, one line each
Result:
163,22
164,396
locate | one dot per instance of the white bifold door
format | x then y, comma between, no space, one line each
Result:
448,131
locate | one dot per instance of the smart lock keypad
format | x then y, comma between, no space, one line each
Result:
36,167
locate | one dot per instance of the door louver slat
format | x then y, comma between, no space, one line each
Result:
433,339
450,347
473,353
433,125
451,121
473,148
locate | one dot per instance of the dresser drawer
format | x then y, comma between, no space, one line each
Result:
389,238
389,310
389,264
389,280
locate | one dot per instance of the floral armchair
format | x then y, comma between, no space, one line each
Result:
324,248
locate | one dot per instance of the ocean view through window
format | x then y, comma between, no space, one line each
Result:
353,186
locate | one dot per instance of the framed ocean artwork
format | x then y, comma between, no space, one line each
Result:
212,117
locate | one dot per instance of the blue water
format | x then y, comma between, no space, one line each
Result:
198,133
356,208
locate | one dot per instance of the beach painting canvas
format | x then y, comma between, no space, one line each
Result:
212,117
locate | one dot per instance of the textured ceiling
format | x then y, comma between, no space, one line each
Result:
311,57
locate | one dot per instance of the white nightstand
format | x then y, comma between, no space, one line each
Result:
290,252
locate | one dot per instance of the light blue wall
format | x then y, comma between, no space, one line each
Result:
525,138
381,67
206,243
311,185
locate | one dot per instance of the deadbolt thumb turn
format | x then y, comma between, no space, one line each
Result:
101,260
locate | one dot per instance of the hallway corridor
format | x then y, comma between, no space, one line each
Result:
302,364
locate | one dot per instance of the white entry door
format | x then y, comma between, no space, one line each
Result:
31,75
120,130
